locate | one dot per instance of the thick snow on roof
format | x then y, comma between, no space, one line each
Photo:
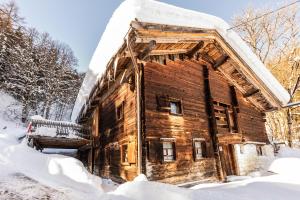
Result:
162,13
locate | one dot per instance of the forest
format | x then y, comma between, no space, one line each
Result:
35,69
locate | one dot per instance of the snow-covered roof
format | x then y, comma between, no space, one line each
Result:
157,12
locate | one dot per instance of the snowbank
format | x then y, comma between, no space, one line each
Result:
52,170
287,163
64,173
162,13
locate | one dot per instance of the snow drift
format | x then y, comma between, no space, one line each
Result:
54,170
287,163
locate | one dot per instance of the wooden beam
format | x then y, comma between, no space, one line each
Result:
116,62
172,39
205,57
138,75
85,147
195,49
220,61
213,130
251,93
161,52
147,50
167,28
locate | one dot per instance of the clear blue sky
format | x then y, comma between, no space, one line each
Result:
80,23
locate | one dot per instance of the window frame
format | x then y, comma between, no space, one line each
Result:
203,147
120,106
179,106
123,161
172,141
164,104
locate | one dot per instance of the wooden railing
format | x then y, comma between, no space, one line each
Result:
63,129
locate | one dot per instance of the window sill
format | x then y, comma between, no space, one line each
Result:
174,114
125,164
168,161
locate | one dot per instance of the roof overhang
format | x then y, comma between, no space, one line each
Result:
205,45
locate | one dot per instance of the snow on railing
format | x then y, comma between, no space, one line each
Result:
51,128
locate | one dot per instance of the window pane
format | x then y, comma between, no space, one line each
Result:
125,153
199,151
197,144
165,152
173,108
167,145
170,152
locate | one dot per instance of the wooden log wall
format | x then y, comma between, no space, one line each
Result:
251,121
180,80
183,79
117,132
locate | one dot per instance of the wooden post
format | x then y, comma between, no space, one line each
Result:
289,121
138,105
212,122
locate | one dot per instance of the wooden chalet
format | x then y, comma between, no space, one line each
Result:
178,104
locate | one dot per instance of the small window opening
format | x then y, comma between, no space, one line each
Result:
120,111
168,151
199,149
125,153
175,107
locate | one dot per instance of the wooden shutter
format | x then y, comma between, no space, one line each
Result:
155,151
209,150
194,151
131,153
163,103
204,149
174,150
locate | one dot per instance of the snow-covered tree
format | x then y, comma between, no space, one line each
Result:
35,69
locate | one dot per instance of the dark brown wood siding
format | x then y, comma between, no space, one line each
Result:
183,81
116,132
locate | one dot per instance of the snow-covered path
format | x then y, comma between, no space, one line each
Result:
21,187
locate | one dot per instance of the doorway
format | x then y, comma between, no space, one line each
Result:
228,159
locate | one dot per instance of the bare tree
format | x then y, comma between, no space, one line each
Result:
274,38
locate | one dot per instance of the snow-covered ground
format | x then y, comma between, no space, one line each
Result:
28,174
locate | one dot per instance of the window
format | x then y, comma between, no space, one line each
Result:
120,111
124,155
225,117
168,151
259,150
167,104
199,149
175,107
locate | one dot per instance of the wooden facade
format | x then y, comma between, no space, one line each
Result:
197,99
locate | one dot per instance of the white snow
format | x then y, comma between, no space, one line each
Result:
37,117
29,174
287,163
52,129
162,13
52,132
